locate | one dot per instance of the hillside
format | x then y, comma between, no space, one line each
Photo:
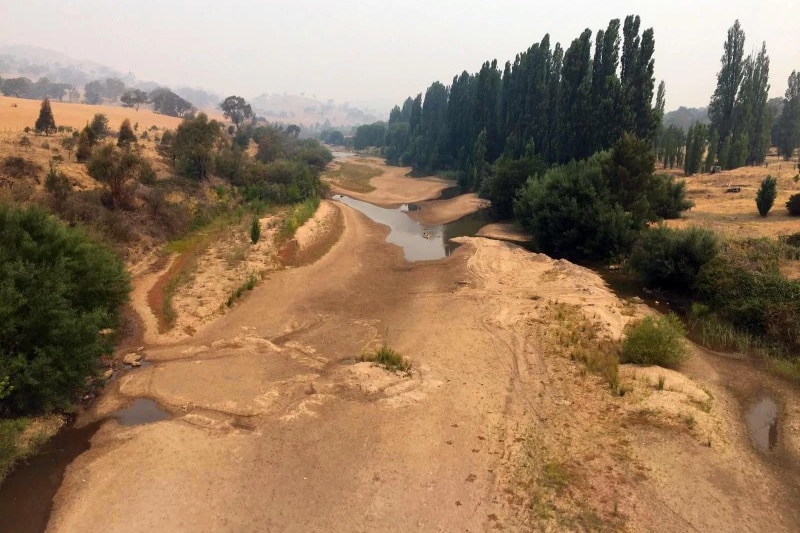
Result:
309,111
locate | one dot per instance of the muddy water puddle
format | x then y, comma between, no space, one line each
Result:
762,419
26,495
142,411
420,242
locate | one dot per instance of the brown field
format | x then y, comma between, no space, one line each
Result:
735,214
15,119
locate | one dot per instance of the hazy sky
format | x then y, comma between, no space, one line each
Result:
381,51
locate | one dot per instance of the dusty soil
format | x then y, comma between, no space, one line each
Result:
434,212
277,426
393,187
504,232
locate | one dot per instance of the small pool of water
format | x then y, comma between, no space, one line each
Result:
26,495
420,242
141,411
762,419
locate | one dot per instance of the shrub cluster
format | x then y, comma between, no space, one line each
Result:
58,290
655,341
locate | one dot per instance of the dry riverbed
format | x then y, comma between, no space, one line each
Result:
276,425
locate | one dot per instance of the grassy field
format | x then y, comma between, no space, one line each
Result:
17,113
354,177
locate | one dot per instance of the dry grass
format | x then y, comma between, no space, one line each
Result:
735,214
354,177
578,337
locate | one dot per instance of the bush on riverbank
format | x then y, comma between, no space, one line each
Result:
58,291
655,341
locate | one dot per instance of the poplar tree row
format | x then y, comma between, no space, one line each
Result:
741,124
556,104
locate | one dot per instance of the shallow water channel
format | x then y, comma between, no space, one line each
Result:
420,242
26,495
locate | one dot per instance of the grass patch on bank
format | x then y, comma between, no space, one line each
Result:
353,177
388,358
297,215
23,437
578,337
248,285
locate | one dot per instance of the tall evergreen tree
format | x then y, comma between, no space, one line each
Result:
46,122
126,135
729,78
788,136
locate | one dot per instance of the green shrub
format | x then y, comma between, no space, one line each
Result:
255,230
58,290
570,213
655,341
766,195
670,259
667,197
793,205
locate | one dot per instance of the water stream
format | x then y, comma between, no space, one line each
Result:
26,494
420,242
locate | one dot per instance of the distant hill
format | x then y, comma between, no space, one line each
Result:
313,114
310,112
684,117
36,63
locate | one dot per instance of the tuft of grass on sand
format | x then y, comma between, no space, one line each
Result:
388,358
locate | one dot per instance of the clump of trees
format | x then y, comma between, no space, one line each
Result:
596,208
788,125
554,103
741,122
59,291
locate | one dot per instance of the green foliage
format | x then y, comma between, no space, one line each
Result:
237,110
567,104
570,213
696,141
744,287
655,341
99,126
765,197
788,126
45,123
793,205
671,259
58,290
57,184
255,230
115,168
69,144
168,103
297,216
126,135
133,98
507,177
740,118
388,358
86,142
195,145
10,432
667,197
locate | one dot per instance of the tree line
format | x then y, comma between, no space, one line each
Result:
553,103
110,90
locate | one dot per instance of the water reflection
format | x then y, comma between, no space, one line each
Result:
420,242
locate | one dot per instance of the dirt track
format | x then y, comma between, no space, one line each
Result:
277,427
